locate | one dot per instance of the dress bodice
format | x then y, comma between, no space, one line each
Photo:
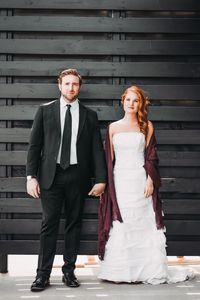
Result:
129,150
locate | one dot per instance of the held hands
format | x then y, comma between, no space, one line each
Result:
33,188
97,189
148,188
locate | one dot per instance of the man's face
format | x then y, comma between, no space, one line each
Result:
69,87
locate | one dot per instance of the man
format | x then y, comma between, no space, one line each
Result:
65,146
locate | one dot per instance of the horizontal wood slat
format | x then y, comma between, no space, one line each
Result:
170,5
179,158
165,171
90,227
176,137
28,226
87,247
183,248
166,158
30,205
99,91
15,158
90,247
101,69
181,185
181,206
99,47
107,113
14,135
99,24
180,172
182,227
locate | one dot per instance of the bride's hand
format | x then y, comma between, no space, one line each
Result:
148,188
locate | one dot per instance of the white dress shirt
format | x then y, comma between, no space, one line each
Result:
75,124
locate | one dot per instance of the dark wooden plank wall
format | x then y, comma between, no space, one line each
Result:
113,44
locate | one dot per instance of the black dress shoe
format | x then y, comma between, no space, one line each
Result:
70,280
39,284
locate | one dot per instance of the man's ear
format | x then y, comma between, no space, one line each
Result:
59,86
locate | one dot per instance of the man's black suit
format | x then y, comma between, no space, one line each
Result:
59,186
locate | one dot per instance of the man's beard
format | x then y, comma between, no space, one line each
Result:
72,98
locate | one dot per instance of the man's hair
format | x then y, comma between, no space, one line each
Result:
69,72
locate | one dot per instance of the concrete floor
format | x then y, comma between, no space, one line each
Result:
16,284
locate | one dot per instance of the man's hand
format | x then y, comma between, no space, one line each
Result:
33,188
97,189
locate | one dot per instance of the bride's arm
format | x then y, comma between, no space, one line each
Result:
111,132
149,183
150,132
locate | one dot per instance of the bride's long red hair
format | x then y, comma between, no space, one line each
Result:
142,114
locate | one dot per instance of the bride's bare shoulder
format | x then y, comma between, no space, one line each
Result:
115,126
150,128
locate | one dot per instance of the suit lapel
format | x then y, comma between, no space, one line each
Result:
82,117
57,116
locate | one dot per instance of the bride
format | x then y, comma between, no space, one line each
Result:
131,230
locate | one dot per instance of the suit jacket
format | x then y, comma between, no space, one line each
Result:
45,142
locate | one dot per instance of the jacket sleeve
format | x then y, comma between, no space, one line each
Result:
98,154
35,144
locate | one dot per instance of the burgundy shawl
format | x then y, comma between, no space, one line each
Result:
108,208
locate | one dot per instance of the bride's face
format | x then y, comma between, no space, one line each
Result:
131,103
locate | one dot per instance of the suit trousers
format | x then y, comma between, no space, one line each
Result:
65,191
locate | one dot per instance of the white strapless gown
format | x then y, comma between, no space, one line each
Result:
135,250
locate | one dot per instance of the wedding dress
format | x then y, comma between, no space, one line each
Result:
135,250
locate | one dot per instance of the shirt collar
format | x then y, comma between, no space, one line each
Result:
63,103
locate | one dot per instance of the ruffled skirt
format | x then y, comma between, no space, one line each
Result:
136,250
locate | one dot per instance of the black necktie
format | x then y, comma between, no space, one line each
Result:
66,141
